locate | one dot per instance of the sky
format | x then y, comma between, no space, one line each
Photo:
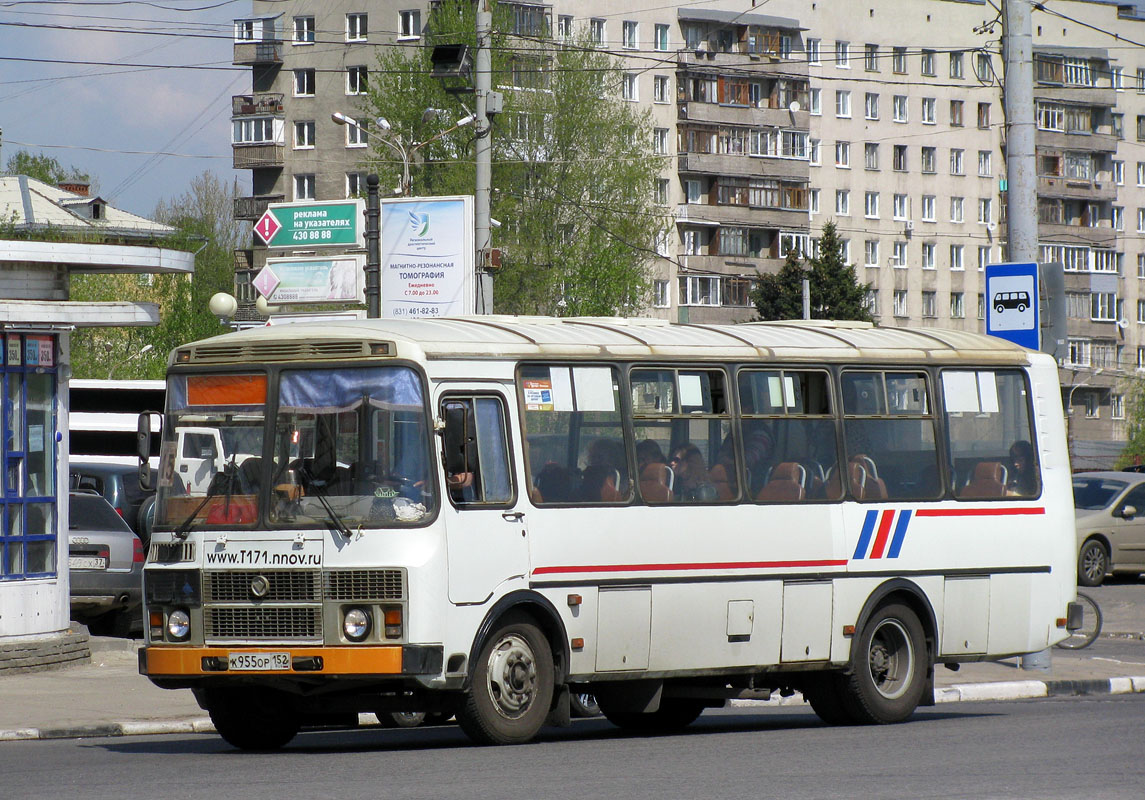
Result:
141,114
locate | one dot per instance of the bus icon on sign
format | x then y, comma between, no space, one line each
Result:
1017,300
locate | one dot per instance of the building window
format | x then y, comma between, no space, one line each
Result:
303,30
813,49
662,191
355,184
814,157
871,105
983,69
660,91
258,130
661,42
565,24
628,31
956,65
1117,78
660,141
304,82
815,102
899,255
929,159
1117,406
898,108
304,135
1092,405
871,156
871,58
930,304
628,87
871,303
898,60
981,306
843,104
956,212
1103,306
409,24
871,205
984,167
1119,173
813,201
842,202
28,530
356,135
900,303
843,155
956,113
983,257
928,110
928,255
843,55
956,251
356,79
661,294
928,208
983,115
1118,218
871,253
956,166
984,210
596,31
356,27
957,305
899,158
304,187
736,291
900,207
699,290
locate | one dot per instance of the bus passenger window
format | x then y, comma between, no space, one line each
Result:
575,450
989,434
477,470
790,450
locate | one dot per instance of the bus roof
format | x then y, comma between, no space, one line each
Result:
493,336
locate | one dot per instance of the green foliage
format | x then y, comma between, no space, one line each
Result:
1134,452
43,168
835,289
573,173
204,218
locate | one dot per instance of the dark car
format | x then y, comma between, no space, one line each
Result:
118,484
105,563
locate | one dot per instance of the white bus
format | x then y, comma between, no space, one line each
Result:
482,516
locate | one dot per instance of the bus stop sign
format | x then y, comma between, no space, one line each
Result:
1012,303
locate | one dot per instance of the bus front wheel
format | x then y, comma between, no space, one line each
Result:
252,720
888,668
512,685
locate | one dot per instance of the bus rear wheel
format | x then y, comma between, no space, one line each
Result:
512,686
675,713
252,720
888,668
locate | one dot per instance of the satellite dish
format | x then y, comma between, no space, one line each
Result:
793,106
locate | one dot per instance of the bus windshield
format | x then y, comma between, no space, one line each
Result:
350,449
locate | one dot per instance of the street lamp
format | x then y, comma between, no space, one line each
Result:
147,348
396,143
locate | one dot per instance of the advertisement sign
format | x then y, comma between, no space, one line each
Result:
427,257
1012,303
313,224
339,279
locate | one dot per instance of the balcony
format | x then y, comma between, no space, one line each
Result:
735,265
253,156
244,259
1084,142
261,53
703,214
1097,96
1076,189
778,117
743,165
261,105
251,208
764,63
1050,233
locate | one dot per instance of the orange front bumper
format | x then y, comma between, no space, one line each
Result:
174,661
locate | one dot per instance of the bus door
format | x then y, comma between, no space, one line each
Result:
486,534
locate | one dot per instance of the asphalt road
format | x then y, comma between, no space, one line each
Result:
1089,747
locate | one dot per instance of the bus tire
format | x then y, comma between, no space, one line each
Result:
512,685
252,720
888,668
825,696
674,714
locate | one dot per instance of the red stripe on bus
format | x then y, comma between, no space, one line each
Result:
884,530
979,512
676,567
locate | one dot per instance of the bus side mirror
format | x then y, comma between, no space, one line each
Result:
143,447
456,438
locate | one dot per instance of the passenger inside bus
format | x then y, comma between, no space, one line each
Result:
604,478
693,483
723,472
1023,477
656,477
555,484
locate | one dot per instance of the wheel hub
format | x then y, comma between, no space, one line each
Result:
512,677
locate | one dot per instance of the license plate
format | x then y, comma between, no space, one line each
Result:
258,662
87,562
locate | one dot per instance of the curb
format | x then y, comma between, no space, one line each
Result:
958,693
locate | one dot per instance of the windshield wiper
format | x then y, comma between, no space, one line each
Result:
319,487
227,477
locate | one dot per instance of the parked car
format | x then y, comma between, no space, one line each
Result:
105,562
118,484
1110,513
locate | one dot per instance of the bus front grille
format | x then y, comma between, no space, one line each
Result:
263,623
268,585
172,552
365,584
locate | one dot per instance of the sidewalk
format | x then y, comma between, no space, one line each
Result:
108,697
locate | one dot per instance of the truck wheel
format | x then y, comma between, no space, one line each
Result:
512,685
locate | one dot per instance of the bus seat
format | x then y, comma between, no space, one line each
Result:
873,487
785,483
815,479
656,483
988,480
724,481
249,476
857,479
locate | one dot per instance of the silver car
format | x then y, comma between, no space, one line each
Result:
1110,512
105,562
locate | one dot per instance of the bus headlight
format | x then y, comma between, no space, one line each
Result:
356,624
178,624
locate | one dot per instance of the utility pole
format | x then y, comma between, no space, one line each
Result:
373,249
483,84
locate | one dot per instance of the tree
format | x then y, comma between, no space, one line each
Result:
203,215
835,289
573,173
43,168
1134,452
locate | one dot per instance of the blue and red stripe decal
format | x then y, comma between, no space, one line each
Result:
878,526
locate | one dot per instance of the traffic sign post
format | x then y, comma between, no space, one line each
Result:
313,224
1012,303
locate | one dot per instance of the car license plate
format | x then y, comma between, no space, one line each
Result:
257,662
87,562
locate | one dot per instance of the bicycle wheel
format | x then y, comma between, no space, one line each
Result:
1090,625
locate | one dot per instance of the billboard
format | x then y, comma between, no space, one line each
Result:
427,257
313,224
338,279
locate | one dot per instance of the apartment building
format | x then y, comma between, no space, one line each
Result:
885,117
